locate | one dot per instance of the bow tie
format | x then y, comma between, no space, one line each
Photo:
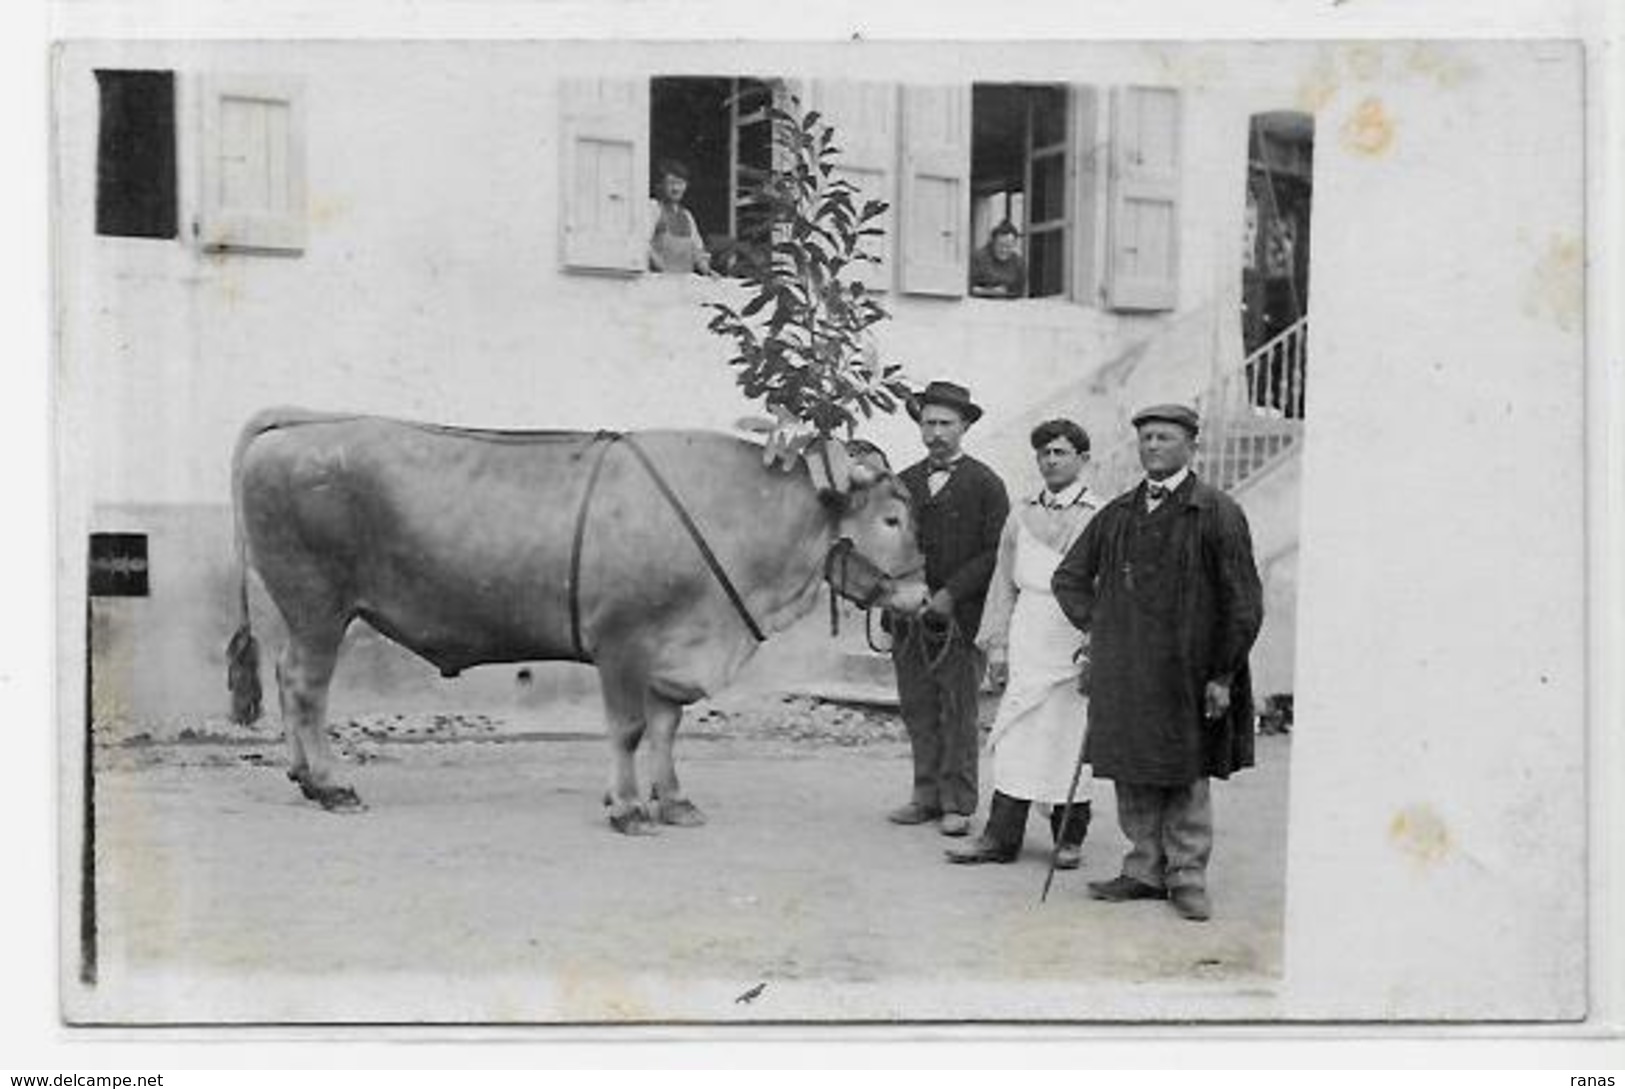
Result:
1156,493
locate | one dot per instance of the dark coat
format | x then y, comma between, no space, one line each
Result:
1150,670
958,530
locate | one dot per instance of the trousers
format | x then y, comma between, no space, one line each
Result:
1170,833
937,699
1007,823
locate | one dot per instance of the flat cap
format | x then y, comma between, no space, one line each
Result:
1174,414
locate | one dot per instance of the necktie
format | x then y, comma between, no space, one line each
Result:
936,478
1156,493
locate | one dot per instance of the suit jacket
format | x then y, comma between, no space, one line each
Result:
958,530
1150,669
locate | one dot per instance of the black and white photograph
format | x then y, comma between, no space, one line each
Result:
868,533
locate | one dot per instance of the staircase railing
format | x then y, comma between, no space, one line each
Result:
1251,416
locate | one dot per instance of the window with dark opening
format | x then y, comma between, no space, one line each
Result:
719,130
118,565
1019,146
135,155
1275,259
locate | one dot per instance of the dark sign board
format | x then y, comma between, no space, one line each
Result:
118,565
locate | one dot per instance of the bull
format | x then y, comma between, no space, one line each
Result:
661,558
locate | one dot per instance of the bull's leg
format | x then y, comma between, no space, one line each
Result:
623,708
304,672
663,716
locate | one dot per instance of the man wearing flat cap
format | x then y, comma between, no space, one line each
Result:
1164,583
960,508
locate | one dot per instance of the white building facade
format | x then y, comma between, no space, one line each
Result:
456,232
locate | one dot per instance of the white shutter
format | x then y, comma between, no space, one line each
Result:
1086,163
1142,264
935,209
252,184
864,116
604,221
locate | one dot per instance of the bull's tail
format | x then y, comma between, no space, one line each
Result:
243,675
243,652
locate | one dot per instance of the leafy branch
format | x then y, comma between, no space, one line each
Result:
801,342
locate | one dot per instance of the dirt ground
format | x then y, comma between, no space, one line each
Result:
482,884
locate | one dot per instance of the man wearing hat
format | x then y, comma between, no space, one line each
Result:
1164,584
960,508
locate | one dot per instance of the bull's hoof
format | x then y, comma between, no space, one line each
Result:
679,812
334,799
633,820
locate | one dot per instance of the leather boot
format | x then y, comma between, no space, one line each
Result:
1001,836
1069,840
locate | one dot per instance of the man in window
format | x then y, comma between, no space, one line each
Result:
997,270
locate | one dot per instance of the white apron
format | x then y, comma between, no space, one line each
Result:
1039,729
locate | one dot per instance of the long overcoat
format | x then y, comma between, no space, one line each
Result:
1150,671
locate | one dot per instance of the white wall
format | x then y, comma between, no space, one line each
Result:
1438,796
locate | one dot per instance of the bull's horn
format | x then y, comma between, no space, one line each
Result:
830,465
759,425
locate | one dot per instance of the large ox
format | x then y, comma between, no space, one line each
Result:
662,558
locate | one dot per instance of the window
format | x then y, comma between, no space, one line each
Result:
719,129
135,155
253,168
1021,171
1095,195
118,565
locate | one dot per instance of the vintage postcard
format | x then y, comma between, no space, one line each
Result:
581,533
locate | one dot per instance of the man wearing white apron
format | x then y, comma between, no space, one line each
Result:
1033,651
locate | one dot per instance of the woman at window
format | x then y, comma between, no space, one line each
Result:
675,243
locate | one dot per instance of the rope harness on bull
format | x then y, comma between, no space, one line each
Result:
842,559
603,440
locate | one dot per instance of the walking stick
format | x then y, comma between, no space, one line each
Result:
1071,795
1066,816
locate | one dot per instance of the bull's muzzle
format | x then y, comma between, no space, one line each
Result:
865,583
908,595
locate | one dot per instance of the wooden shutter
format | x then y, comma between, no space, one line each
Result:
605,189
1142,239
1087,168
253,164
935,187
864,116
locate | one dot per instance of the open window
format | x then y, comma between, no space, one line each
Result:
135,154
1022,173
1275,260
618,134
718,128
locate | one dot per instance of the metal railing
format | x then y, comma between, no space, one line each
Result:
1250,417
